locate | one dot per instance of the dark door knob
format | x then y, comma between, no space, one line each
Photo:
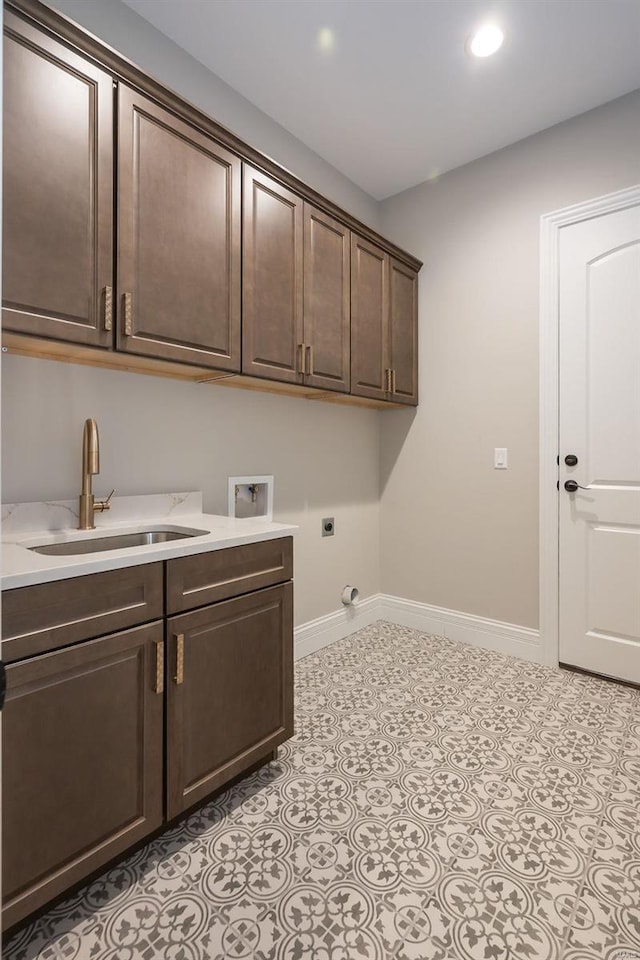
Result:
571,460
571,486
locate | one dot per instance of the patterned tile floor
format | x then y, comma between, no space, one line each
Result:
438,802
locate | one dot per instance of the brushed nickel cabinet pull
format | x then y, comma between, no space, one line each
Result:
393,380
179,677
310,370
127,314
108,308
302,359
387,380
159,666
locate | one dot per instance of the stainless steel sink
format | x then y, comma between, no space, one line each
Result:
115,542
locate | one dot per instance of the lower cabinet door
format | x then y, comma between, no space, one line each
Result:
81,762
229,691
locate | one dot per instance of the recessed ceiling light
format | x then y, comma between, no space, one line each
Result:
326,40
485,41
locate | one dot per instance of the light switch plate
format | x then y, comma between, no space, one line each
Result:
500,458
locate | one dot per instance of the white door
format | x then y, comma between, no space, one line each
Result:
599,559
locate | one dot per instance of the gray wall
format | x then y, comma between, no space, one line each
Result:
160,435
455,532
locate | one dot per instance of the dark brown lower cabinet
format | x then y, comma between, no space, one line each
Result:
105,739
229,690
81,762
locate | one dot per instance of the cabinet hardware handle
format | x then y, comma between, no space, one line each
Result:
393,380
179,677
159,666
108,308
310,371
302,348
127,314
387,380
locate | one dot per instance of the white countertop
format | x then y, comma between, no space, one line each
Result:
22,567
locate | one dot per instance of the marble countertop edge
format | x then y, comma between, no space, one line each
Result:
22,567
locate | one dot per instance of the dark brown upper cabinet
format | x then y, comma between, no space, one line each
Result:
81,762
384,325
57,257
272,342
226,262
179,202
369,320
326,334
403,332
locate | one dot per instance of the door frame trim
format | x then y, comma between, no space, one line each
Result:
550,226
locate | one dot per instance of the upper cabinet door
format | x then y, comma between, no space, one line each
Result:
272,344
178,239
403,333
327,258
58,190
370,374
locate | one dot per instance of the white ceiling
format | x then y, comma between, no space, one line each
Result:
396,99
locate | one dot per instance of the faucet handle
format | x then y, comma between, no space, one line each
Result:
102,505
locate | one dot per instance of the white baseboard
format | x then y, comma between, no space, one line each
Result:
319,633
506,638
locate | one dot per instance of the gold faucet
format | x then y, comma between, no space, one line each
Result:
90,468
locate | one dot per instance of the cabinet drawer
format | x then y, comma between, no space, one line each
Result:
52,615
222,574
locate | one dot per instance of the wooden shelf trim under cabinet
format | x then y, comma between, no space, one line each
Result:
47,616
206,578
26,346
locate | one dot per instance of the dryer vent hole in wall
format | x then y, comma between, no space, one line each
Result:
350,596
328,526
